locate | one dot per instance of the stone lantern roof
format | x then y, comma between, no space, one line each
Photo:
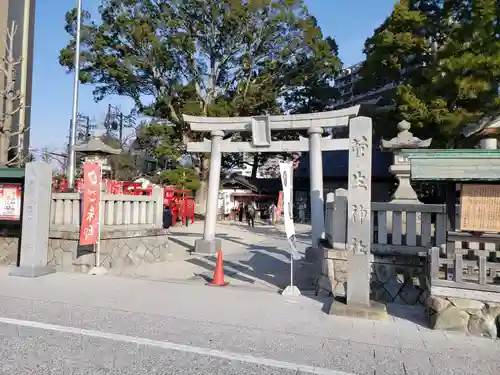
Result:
404,139
96,147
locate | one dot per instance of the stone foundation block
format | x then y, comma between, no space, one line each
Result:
375,311
475,317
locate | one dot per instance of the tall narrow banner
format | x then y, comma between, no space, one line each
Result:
286,171
89,229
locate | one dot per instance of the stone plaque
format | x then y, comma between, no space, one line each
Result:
480,208
261,131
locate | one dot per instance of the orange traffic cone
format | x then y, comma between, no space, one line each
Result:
218,279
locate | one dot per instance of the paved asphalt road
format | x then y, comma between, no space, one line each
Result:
27,350
79,324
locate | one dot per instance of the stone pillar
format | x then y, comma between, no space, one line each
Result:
158,195
316,185
35,223
339,237
359,211
209,244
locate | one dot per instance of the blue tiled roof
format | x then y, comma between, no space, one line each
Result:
336,164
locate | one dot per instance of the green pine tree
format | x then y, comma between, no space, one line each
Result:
446,56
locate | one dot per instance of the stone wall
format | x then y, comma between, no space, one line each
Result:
9,244
399,279
8,250
472,316
119,249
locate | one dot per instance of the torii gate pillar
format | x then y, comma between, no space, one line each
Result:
316,184
209,244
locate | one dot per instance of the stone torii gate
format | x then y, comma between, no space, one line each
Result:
261,127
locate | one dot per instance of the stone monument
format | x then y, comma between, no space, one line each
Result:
35,221
261,128
359,230
359,211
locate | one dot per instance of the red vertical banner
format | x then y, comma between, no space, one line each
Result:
89,230
279,208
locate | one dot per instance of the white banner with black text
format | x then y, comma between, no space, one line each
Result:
286,171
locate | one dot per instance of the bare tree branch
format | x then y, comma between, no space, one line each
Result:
12,104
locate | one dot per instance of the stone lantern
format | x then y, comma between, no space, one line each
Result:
96,150
401,166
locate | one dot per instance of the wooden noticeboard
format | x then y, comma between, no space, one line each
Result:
480,208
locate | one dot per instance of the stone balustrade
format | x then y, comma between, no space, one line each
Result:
117,211
132,234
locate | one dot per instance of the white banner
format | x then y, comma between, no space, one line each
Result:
286,171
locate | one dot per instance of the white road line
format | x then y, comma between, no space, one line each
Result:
177,347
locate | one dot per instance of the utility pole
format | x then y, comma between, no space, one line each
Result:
72,135
83,130
116,121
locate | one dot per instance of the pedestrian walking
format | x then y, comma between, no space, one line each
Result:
167,218
251,209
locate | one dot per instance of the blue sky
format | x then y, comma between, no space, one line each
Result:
349,21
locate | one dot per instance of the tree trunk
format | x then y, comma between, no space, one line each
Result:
255,166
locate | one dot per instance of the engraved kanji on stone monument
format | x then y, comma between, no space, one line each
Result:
359,180
359,213
359,145
358,247
359,203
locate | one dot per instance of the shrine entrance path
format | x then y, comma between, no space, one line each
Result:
253,257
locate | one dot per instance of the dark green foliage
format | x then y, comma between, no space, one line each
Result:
446,55
203,57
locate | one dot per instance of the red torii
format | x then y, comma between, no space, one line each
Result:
181,205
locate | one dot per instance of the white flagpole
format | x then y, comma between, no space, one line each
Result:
286,170
98,269
74,118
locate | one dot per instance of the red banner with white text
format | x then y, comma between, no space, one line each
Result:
89,230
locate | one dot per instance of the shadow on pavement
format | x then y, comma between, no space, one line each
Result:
208,265
265,230
176,239
263,266
191,234
189,247
254,262
413,313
